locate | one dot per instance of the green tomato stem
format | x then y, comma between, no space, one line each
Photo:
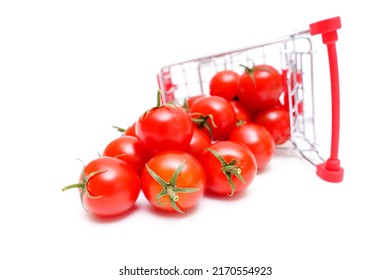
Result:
229,169
73,186
202,121
159,98
120,129
82,186
169,188
172,194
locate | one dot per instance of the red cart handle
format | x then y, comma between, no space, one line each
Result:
331,170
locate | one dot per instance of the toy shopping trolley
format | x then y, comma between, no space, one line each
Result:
294,55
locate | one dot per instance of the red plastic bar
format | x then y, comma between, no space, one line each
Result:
165,83
331,170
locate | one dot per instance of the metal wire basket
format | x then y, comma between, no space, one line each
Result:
294,56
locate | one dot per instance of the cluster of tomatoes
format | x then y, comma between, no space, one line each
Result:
175,153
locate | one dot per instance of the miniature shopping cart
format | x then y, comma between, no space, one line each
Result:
294,56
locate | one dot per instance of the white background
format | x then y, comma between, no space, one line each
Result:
69,70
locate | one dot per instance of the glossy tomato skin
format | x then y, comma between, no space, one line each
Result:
199,141
261,91
243,114
277,121
130,150
217,182
223,115
130,131
225,84
164,128
258,139
191,100
114,191
191,176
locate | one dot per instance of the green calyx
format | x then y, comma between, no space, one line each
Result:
159,101
230,169
82,186
202,121
169,188
252,70
159,105
186,105
159,98
240,122
120,129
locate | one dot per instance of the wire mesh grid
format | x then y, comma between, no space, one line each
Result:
291,55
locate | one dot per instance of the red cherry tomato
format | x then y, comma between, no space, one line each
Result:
164,128
128,149
191,100
130,131
260,87
242,113
277,121
225,84
199,141
173,181
214,114
230,167
258,139
108,187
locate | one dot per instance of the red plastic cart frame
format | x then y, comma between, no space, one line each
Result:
330,170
